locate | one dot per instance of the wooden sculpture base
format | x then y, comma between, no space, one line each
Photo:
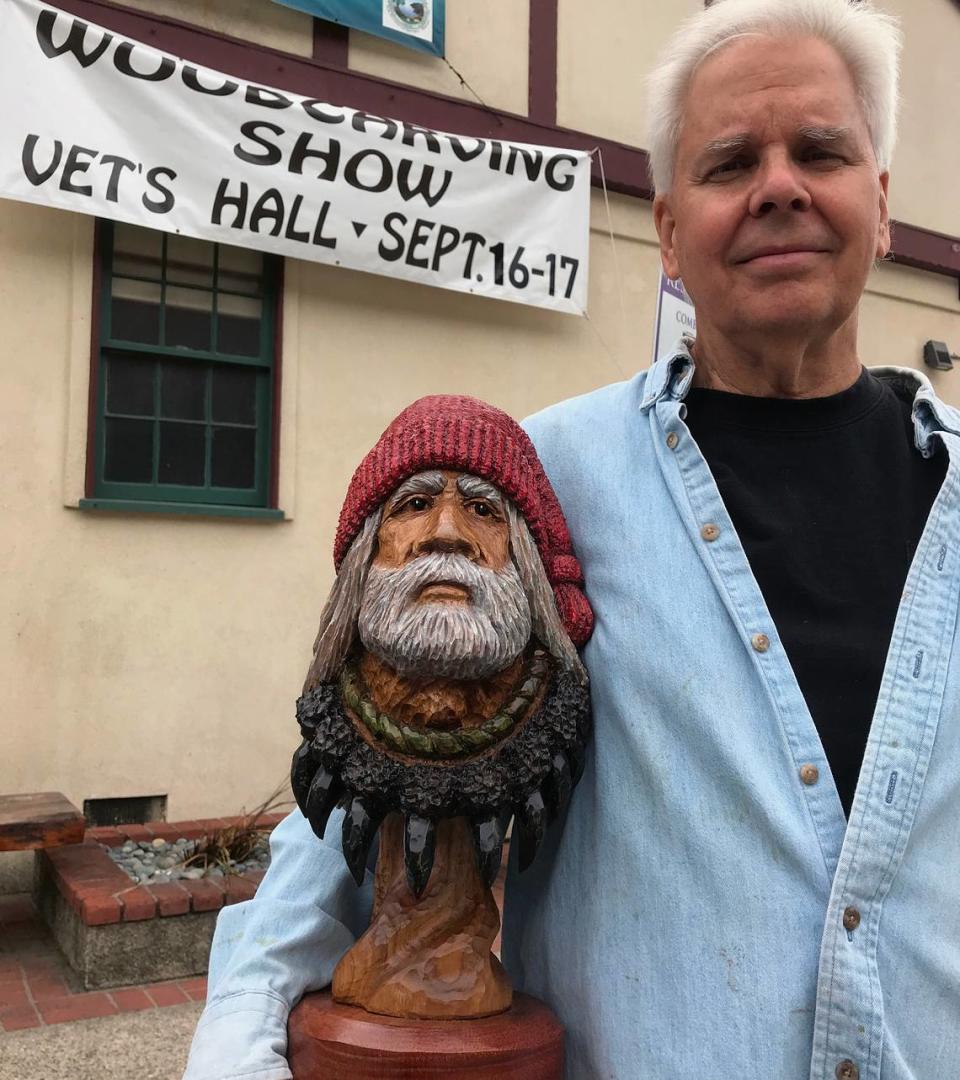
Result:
427,958
329,1041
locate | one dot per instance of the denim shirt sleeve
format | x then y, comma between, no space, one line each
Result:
269,951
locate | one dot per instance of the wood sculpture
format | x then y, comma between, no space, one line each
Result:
444,698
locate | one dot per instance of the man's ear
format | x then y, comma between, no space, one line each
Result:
883,231
666,224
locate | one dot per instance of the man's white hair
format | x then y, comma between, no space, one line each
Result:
866,39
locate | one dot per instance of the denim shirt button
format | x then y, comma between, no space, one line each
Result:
672,439
809,774
846,1070
851,918
760,642
710,532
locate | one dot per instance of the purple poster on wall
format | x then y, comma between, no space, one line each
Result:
675,315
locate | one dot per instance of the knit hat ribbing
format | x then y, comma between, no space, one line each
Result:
450,431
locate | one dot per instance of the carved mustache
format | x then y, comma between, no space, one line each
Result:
405,583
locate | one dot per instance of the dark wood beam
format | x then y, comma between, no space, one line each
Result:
542,65
625,166
331,43
925,249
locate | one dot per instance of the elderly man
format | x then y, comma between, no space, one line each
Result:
767,826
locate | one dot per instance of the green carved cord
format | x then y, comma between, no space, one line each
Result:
445,744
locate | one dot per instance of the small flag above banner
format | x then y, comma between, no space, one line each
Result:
417,24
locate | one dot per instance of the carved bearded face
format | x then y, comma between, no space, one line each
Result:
443,597
454,591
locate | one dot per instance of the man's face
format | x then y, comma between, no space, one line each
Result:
443,597
777,209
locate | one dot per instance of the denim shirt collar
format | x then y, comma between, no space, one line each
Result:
672,375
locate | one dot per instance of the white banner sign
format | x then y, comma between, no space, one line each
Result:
103,125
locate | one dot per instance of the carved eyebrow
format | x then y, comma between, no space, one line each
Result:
473,487
425,483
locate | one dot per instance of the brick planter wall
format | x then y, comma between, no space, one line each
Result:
115,932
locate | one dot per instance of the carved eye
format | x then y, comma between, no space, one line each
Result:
481,509
417,502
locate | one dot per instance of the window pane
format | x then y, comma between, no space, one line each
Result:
238,325
182,453
130,386
129,451
137,251
233,459
188,318
190,261
239,269
183,386
135,311
234,394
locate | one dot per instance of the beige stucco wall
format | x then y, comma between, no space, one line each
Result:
486,46
161,655
926,164
604,51
901,310
268,24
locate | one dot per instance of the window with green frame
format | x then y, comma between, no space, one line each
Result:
185,373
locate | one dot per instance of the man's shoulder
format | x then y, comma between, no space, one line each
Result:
583,417
913,387
590,439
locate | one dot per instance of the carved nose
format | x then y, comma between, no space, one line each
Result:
445,545
444,536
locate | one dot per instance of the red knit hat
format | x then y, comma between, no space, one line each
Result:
448,431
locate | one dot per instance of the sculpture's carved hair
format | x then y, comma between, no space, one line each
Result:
547,627
867,39
338,620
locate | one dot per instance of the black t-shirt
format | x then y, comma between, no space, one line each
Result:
829,497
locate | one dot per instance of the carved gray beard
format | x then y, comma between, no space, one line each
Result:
459,640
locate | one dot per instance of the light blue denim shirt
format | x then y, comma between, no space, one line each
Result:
689,918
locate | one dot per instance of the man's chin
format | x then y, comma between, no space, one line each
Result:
785,307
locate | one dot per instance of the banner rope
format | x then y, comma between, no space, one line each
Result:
616,272
463,82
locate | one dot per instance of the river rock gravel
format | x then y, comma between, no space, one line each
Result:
147,861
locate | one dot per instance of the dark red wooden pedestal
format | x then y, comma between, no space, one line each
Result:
327,1041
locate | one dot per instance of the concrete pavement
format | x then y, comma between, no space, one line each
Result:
148,1045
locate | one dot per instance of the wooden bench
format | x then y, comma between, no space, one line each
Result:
40,820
